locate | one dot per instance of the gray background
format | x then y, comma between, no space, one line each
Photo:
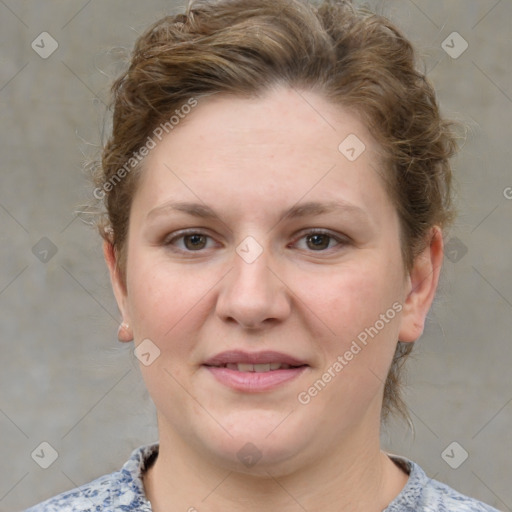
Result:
65,379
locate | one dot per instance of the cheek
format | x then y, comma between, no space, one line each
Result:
352,298
166,302
153,300
164,308
356,304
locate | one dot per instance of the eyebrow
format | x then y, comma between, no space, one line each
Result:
298,210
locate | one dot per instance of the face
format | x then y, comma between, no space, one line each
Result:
264,267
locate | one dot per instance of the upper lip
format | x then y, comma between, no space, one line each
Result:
239,356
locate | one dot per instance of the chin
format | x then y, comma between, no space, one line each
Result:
262,444
262,459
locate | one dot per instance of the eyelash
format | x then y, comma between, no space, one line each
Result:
340,240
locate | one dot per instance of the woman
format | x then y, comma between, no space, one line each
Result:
276,186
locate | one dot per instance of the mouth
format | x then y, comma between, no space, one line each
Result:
254,372
258,368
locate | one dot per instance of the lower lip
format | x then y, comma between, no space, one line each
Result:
254,381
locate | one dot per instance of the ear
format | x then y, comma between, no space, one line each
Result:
116,279
421,287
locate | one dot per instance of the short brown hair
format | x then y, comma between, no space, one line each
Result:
355,58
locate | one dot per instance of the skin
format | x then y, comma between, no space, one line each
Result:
249,160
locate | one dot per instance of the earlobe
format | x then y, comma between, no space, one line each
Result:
125,333
118,286
422,285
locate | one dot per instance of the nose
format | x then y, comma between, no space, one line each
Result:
252,295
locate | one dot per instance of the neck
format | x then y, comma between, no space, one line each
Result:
355,476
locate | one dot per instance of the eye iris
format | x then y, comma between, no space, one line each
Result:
318,241
195,242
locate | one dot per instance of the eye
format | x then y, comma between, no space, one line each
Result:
190,241
319,241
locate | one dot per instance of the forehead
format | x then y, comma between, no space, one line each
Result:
284,145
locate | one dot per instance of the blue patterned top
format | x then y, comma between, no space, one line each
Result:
123,490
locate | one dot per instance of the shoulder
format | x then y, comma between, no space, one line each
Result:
446,499
96,495
123,488
423,494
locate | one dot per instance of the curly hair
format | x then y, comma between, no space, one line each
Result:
354,58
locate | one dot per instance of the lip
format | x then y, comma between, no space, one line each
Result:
240,356
254,382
